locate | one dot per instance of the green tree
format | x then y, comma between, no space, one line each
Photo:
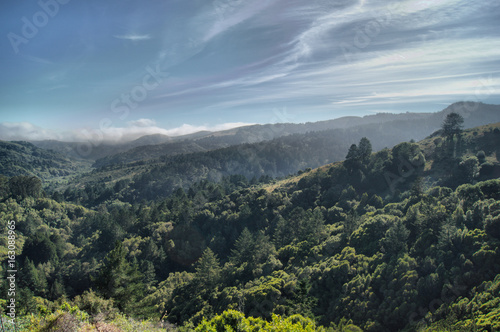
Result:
34,278
344,326
253,254
57,289
4,187
39,248
452,125
208,269
120,280
25,186
365,150
243,247
469,169
352,160
93,304
481,156
492,226
395,238
417,189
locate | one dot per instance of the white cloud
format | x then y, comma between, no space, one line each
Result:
135,129
134,132
231,13
133,37
19,131
417,47
143,127
143,123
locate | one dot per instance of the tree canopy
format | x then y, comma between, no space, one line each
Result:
452,125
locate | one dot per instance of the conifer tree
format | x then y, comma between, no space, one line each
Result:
365,150
242,247
120,280
208,269
453,125
352,160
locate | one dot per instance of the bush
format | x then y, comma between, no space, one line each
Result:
481,156
490,189
232,320
91,303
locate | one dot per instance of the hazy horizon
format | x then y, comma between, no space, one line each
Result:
144,128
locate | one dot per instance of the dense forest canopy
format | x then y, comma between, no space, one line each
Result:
405,238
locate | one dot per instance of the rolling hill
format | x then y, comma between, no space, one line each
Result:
384,129
401,239
287,155
24,158
154,146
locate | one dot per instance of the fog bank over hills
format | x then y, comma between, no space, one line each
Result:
402,126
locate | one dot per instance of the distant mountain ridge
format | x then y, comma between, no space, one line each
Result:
294,154
162,167
280,157
157,145
391,129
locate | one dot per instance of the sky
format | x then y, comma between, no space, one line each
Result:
120,69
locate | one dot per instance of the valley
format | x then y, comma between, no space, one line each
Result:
362,229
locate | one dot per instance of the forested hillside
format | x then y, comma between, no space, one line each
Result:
276,158
384,129
403,126
23,158
405,238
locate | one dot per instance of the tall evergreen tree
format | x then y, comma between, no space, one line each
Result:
352,160
208,269
365,150
395,238
34,279
243,247
452,125
120,280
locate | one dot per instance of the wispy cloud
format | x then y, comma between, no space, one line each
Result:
133,37
235,60
229,13
142,123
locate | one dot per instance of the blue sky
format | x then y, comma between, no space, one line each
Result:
74,69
